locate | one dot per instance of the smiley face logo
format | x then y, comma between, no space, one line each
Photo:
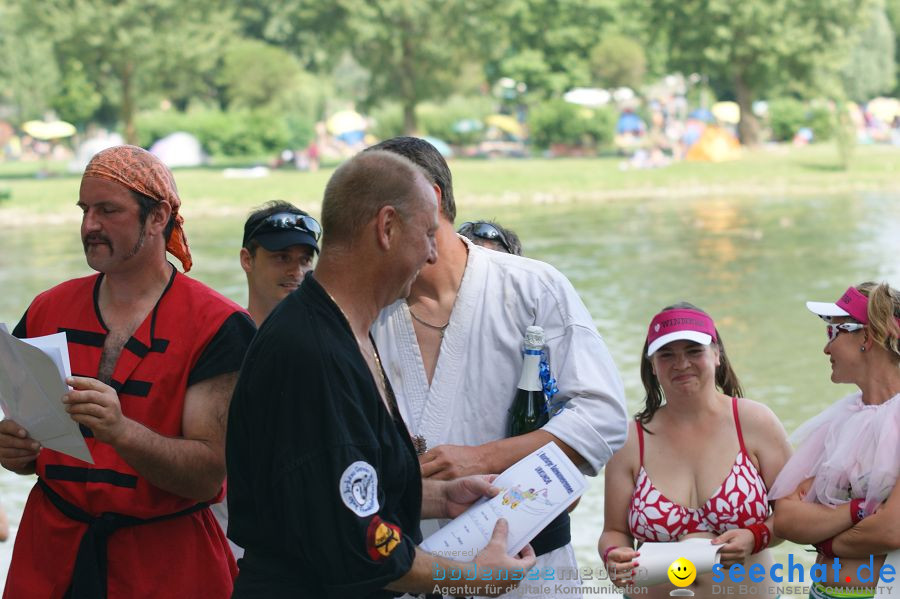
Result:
682,572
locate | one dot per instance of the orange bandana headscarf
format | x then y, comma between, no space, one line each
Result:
139,170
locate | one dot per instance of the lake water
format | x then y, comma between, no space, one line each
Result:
750,262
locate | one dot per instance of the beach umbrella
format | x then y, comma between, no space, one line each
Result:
49,129
884,109
727,112
587,96
630,123
467,126
440,145
506,123
345,121
623,94
702,114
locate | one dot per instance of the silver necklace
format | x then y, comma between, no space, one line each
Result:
439,329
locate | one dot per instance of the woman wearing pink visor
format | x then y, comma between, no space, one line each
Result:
839,491
698,460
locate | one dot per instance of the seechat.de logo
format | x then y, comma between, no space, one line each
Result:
682,573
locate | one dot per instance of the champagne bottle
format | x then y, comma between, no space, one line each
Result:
529,410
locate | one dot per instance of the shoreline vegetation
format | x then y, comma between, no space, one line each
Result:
777,170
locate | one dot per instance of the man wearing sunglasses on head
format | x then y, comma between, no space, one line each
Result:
491,235
452,350
279,247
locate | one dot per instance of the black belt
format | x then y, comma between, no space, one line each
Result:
89,576
555,535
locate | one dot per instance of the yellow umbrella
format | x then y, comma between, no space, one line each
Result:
505,123
345,121
727,112
48,130
884,109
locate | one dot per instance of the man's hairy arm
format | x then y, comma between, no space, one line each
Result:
192,465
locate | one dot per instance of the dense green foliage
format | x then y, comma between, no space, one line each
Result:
789,115
239,132
752,47
618,61
251,75
870,70
559,122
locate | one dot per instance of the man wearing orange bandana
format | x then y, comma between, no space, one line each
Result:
154,359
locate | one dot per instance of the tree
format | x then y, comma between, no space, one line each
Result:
756,45
892,11
29,76
311,30
414,51
870,69
132,49
255,73
547,45
76,100
618,61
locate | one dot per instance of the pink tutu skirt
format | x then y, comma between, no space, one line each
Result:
851,450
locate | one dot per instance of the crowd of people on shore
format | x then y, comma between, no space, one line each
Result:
360,401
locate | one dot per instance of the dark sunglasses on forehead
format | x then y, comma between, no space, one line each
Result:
483,230
288,221
833,330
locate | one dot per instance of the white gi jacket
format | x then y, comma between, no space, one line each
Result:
480,362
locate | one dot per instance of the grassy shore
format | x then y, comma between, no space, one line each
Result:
775,170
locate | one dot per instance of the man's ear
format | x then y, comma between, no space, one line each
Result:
159,217
387,227
246,260
437,194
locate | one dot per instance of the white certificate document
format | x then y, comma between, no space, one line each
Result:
656,558
32,383
533,492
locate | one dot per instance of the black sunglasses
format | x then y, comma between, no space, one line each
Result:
288,221
487,231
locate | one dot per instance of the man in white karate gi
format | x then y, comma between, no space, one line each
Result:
452,351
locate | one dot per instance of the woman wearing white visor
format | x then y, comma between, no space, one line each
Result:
697,462
839,489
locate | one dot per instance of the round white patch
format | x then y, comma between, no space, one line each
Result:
359,488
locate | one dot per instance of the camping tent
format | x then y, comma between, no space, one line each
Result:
178,149
715,145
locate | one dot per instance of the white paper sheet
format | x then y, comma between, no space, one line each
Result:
534,491
32,383
656,558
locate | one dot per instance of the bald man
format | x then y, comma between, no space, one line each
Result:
155,356
325,492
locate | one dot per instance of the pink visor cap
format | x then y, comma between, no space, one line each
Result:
853,304
677,325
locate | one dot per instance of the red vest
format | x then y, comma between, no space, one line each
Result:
187,556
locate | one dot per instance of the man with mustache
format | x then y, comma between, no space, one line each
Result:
154,357
279,246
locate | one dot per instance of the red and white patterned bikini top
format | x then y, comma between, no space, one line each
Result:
738,502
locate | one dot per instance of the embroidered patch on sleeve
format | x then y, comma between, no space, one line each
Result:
382,538
359,488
